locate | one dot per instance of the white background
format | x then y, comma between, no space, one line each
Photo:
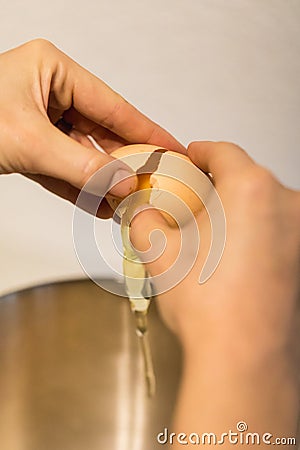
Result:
204,69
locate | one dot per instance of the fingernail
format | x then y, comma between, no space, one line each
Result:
122,183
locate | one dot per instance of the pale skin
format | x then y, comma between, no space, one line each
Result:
239,331
39,85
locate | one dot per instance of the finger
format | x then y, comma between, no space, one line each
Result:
81,138
70,193
96,101
143,224
221,159
57,155
107,140
67,128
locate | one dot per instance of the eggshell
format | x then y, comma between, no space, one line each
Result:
164,183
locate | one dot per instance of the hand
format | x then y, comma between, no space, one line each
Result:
239,330
39,85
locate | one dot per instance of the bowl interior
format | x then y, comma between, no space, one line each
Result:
72,375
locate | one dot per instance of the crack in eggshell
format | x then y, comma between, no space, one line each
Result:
150,173
152,163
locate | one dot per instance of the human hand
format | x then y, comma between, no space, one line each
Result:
239,330
263,236
39,85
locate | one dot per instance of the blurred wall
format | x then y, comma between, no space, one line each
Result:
204,69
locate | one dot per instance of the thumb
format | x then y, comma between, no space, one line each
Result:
153,239
57,155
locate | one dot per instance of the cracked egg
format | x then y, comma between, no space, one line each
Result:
156,174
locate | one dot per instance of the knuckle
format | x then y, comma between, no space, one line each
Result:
91,166
257,182
193,146
40,44
225,145
111,118
152,135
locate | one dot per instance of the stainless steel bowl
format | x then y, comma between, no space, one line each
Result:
71,375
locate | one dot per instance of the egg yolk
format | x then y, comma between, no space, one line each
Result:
143,181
